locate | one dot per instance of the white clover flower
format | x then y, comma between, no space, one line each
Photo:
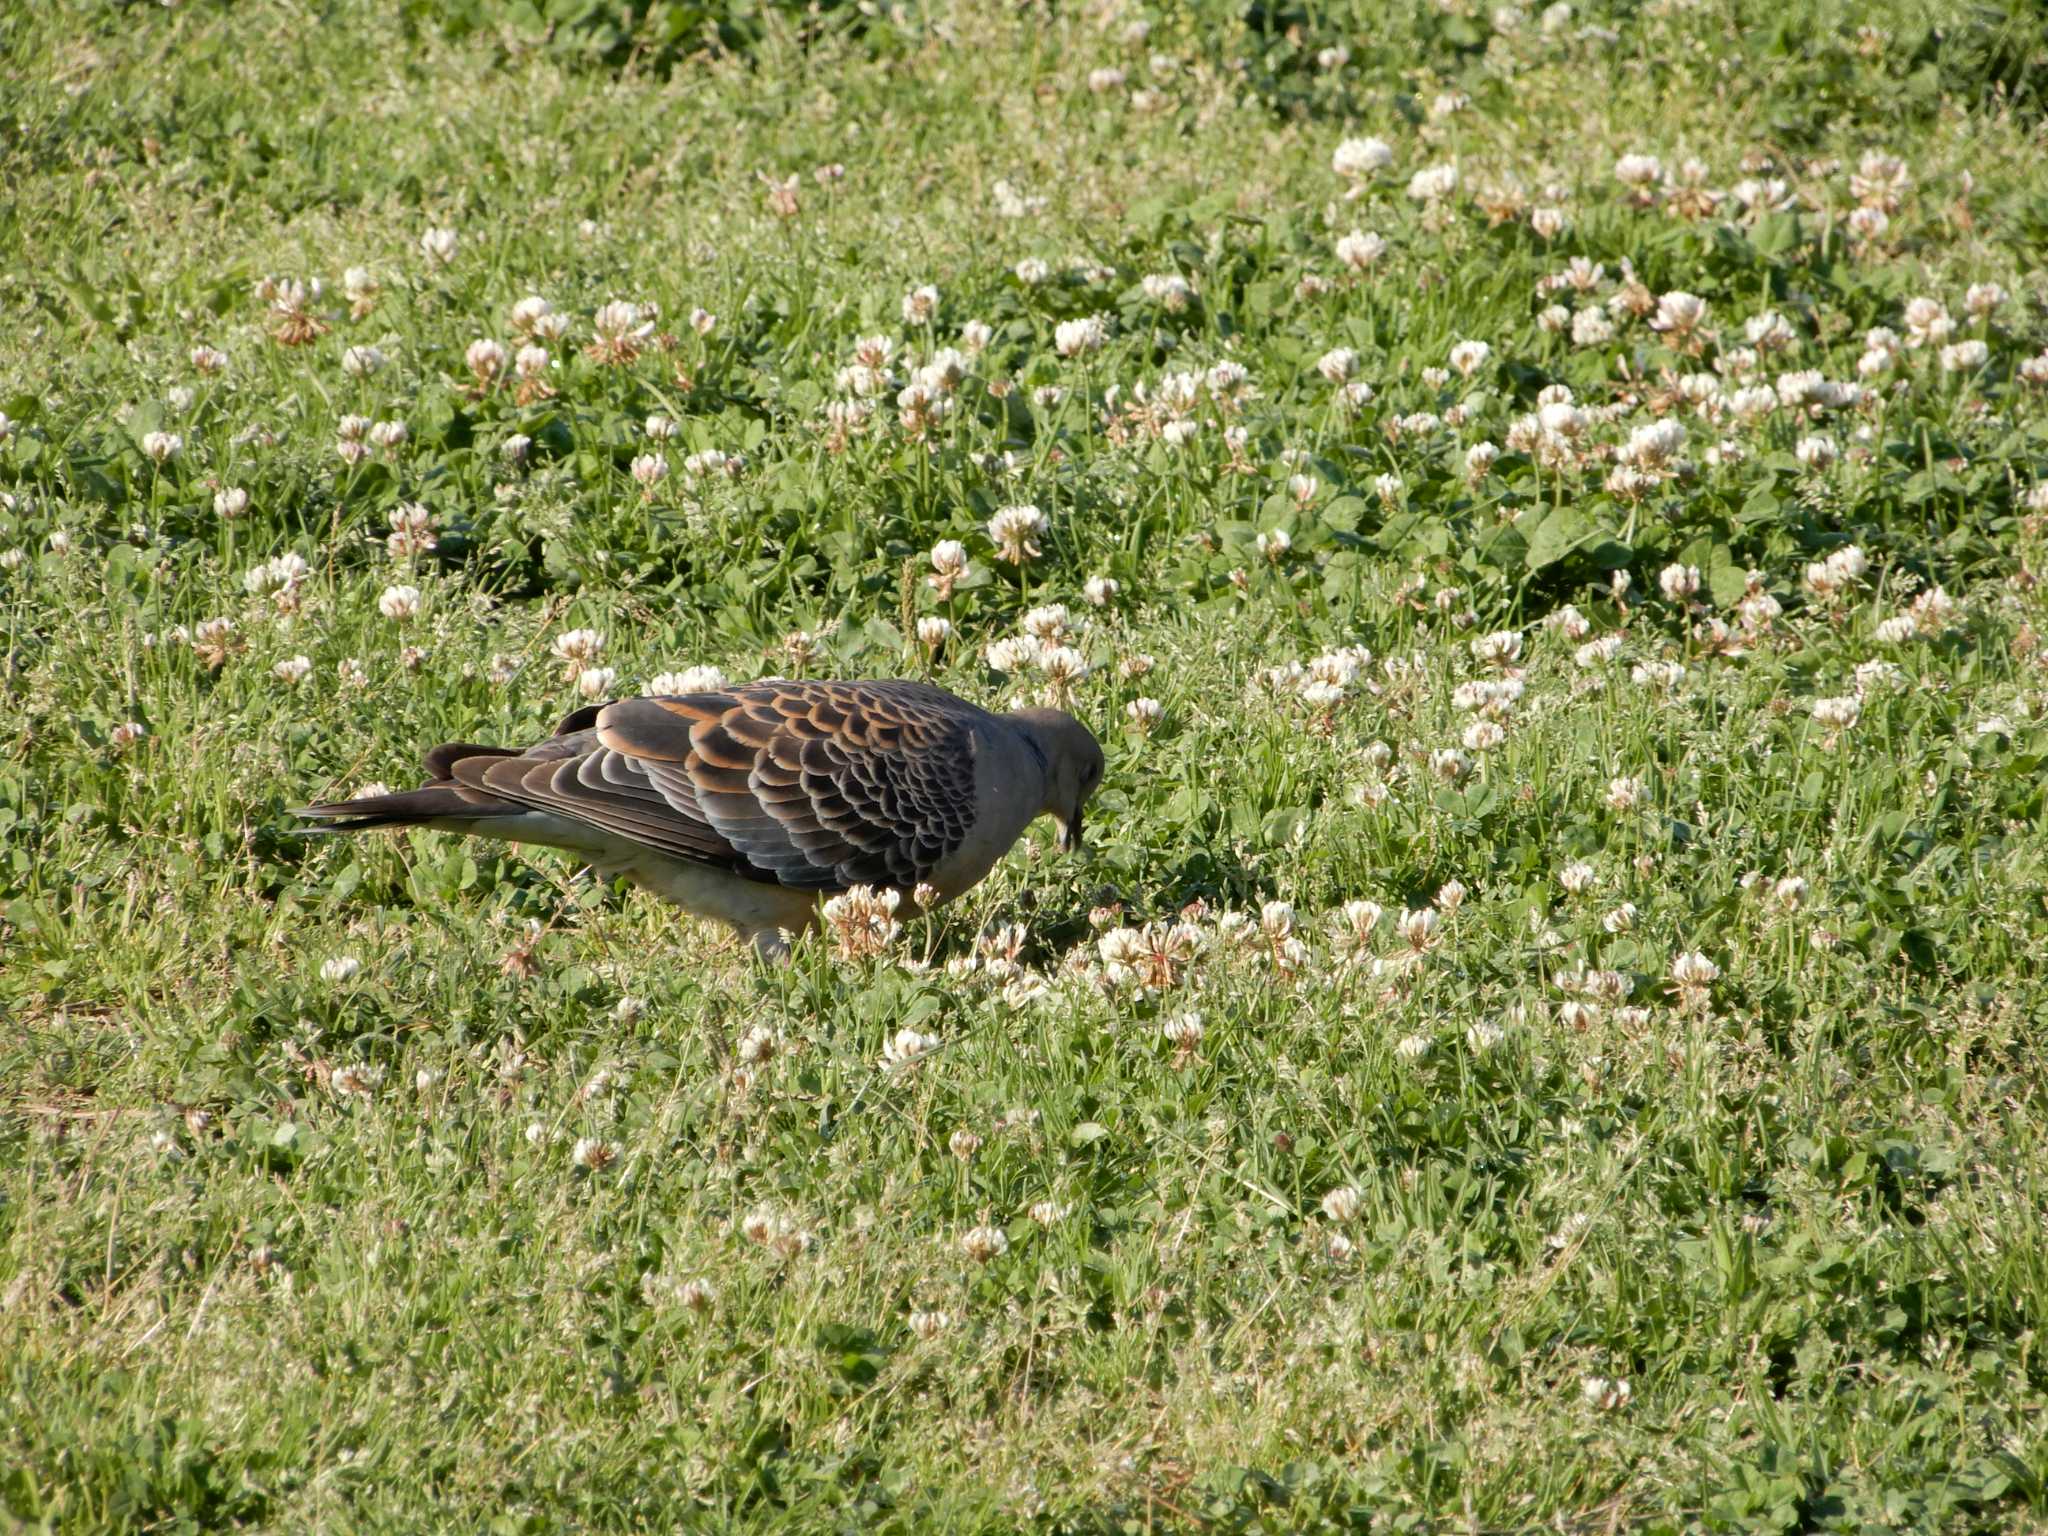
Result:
399,603
1481,1038
1071,338
714,461
1932,611
920,305
1343,1204
1817,451
596,682
1031,271
281,574
1605,1394
1693,971
1838,714
1356,159
1144,714
231,502
907,1047
1050,624
1679,313
1183,1031
1433,184
621,329
1928,323
1591,328
648,469
1062,667
162,447
1577,877
1014,530
1101,591
1636,170
1624,793
1412,1047
1449,765
1654,445
1985,299
690,680
933,632
1868,225
528,313
1418,928
1468,357
439,245
1679,583
1012,654
1337,365
1964,356
1502,648
1769,331
594,1153
1169,290
293,670
578,645
341,968
984,1244
1360,249
1484,736
356,1081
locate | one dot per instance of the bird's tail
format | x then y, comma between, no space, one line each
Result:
441,803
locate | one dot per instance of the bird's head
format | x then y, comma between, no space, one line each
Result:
1073,768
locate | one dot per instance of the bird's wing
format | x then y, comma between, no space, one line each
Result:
817,786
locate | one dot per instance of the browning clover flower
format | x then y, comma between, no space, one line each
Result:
863,922
620,332
1014,530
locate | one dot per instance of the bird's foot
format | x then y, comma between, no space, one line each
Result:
772,945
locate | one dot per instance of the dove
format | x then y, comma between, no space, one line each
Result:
753,804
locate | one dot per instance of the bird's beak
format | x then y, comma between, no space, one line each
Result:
1067,834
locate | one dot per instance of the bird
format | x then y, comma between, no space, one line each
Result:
754,804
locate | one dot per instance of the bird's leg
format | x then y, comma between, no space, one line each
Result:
772,945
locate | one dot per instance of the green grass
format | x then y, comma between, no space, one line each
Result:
288,1245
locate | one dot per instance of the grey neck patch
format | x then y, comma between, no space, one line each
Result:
1038,755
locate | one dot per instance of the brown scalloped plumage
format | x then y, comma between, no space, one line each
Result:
790,790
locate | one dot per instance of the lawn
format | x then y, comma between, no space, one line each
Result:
1545,509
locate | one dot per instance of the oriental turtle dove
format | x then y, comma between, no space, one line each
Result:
750,804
